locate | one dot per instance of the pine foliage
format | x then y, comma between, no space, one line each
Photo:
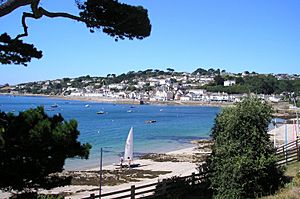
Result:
35,145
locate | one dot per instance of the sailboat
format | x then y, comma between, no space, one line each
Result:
127,160
128,152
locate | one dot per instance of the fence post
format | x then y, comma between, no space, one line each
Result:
193,179
92,196
132,192
297,147
285,154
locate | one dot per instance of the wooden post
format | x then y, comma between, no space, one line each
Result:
285,134
193,179
100,173
297,147
132,192
275,135
286,155
92,196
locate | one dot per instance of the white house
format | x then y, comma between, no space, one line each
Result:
274,99
185,98
178,94
117,86
198,91
133,95
206,79
153,82
44,87
164,95
229,82
93,95
76,94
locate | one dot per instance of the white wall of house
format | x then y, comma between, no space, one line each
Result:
229,82
117,86
198,91
164,95
154,83
93,95
76,94
185,98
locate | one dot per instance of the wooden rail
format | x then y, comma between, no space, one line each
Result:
289,152
155,189
285,153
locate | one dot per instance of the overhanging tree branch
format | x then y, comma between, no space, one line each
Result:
10,5
115,19
38,13
25,27
59,14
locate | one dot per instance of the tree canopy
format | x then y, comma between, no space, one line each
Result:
243,161
261,84
34,145
14,51
115,19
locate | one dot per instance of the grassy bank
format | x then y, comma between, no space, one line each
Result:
291,190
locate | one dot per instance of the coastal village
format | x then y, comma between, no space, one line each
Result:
151,86
169,122
204,87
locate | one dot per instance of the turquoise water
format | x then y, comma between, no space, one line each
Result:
176,126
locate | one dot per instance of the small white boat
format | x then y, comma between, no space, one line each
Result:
150,121
129,111
128,152
100,112
87,105
127,160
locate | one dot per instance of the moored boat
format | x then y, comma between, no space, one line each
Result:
150,121
54,105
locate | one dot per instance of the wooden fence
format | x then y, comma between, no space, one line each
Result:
156,189
289,152
286,154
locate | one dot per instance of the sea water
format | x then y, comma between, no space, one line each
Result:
175,126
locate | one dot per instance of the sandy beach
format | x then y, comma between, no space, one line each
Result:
181,168
136,101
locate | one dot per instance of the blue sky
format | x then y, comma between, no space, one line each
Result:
235,35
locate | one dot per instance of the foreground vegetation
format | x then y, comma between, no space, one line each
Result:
291,190
34,145
243,160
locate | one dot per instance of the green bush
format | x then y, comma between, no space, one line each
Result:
243,159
